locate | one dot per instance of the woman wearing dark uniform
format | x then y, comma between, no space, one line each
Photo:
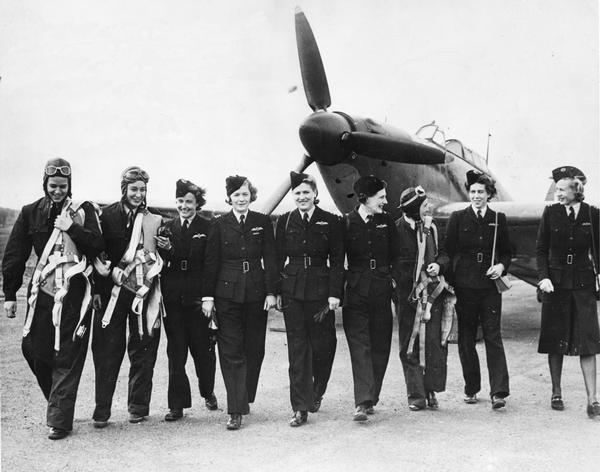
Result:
469,241
371,244
309,244
182,244
239,282
567,250
128,289
423,298
66,238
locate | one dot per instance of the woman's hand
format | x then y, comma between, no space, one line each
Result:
208,307
63,222
546,286
96,302
270,302
10,308
495,271
433,269
334,303
279,302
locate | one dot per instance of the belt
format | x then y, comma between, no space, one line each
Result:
477,255
245,266
182,265
568,259
307,261
371,264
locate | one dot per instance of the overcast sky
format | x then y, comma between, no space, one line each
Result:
201,89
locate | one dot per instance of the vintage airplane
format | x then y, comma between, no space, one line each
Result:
344,147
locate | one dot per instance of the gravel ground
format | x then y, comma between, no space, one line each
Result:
527,435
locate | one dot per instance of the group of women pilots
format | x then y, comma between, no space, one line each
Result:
231,271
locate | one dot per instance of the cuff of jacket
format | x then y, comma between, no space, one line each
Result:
10,296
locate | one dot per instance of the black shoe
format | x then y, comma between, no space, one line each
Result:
99,424
556,403
57,433
316,405
498,402
174,414
211,402
432,401
135,418
360,414
593,410
234,422
299,418
370,410
470,399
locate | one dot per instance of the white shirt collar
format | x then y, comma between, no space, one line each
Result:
238,215
483,210
309,212
575,207
363,213
181,219
410,221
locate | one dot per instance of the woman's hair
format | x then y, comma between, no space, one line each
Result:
576,185
487,182
252,188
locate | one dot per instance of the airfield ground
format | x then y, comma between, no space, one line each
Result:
528,435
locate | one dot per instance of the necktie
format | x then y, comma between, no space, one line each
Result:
571,215
479,217
242,222
186,225
130,219
305,220
369,219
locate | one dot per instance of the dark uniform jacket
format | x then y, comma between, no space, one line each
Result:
308,250
233,268
371,249
181,279
117,235
33,229
404,271
563,249
469,246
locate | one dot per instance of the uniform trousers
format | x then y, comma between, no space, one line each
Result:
57,373
241,342
108,350
421,380
187,330
474,306
311,349
368,324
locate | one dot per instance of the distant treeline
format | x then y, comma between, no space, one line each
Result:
7,216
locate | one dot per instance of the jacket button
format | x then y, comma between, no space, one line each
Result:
243,248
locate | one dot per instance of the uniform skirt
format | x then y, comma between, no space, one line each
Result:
569,323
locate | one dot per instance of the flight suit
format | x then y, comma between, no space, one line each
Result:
313,256
239,271
469,243
419,381
109,343
185,324
569,314
57,372
367,313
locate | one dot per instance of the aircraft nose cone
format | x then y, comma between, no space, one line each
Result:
321,137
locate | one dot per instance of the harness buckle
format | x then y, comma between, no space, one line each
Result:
372,264
307,262
569,259
480,257
184,264
245,267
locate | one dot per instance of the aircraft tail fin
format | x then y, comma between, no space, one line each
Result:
550,193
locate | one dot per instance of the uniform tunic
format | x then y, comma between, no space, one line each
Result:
57,373
469,245
185,324
419,381
367,313
569,314
239,271
313,256
109,343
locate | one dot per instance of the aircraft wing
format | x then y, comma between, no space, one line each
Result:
523,220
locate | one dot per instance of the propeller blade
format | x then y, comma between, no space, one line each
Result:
284,187
392,149
311,66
